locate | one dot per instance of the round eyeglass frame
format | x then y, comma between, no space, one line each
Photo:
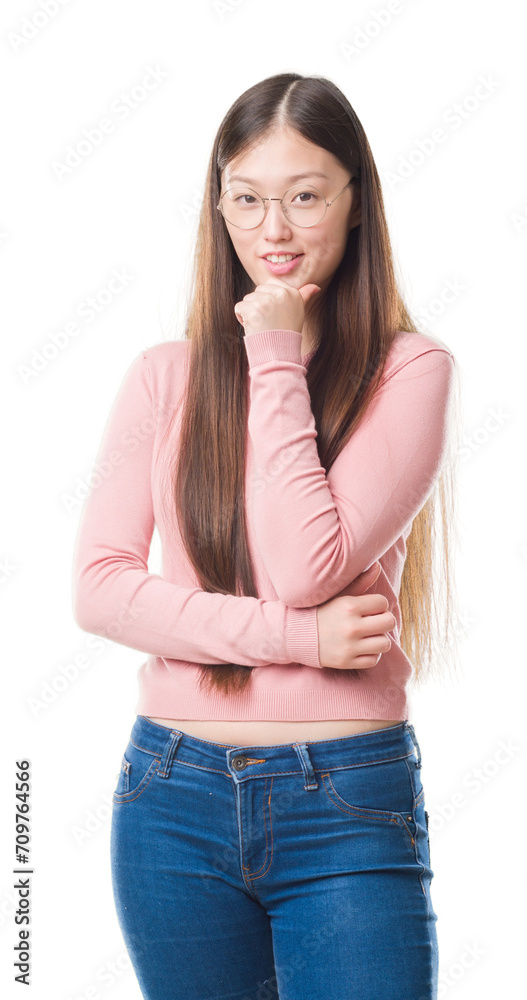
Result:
247,228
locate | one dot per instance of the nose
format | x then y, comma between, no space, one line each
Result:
275,221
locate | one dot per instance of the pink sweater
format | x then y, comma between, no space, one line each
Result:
310,534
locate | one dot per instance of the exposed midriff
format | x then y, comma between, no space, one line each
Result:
261,733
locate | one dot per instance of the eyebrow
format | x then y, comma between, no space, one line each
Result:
293,178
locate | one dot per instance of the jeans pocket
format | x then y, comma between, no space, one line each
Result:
380,792
138,767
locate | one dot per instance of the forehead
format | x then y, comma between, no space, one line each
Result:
282,158
310,176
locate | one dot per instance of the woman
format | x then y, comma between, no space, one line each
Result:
269,836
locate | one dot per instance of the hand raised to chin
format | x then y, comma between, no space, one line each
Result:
274,305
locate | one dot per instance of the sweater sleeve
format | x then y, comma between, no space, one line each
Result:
316,533
114,594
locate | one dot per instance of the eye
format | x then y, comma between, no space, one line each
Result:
302,194
238,199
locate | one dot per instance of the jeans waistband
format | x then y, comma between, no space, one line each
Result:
243,762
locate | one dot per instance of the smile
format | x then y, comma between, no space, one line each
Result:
282,263
280,258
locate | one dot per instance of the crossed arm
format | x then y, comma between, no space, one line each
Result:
315,533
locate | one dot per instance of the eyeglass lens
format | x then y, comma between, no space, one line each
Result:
303,205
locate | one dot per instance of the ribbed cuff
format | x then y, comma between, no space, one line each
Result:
273,345
301,635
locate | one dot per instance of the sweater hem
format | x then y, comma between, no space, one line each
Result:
274,706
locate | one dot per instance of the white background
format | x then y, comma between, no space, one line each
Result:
131,203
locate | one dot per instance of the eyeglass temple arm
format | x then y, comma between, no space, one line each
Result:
328,203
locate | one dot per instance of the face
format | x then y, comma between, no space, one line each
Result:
269,169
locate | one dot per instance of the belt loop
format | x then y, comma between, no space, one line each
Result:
411,730
168,755
311,783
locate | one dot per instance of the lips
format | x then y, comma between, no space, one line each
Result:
280,253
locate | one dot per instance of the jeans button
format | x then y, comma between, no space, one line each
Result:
239,763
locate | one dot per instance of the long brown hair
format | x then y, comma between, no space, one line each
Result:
361,307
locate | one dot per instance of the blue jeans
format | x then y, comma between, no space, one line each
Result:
298,872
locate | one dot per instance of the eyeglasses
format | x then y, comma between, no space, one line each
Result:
245,209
